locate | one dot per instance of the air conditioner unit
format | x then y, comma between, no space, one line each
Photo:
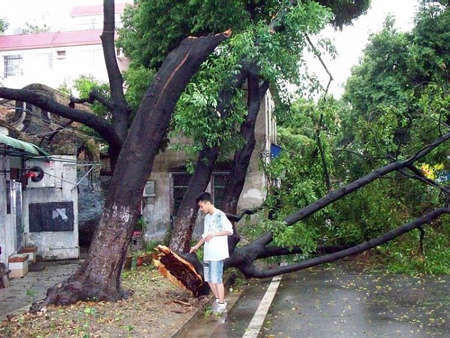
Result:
40,174
149,189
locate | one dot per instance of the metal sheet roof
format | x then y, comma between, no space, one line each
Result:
26,147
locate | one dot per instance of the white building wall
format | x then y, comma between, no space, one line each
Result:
45,66
54,244
7,229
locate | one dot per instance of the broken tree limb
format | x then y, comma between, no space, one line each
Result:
237,218
178,270
361,182
252,271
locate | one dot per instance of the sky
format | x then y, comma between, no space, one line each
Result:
349,42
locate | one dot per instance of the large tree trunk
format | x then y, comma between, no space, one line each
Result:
99,275
187,212
241,160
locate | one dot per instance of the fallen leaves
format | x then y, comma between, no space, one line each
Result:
136,316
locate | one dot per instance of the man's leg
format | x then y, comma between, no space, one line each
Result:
220,292
213,287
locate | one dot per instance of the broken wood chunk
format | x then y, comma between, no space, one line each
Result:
178,270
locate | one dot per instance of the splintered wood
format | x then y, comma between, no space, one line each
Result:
178,270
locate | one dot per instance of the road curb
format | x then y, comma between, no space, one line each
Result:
184,329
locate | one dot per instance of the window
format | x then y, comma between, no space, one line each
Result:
219,181
180,185
181,182
13,65
60,54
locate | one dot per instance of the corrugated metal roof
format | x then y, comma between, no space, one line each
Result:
26,147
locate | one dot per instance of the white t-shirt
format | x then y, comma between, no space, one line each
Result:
217,248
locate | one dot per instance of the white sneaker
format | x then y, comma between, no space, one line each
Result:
214,305
221,307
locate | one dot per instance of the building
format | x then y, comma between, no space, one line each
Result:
169,179
38,202
58,58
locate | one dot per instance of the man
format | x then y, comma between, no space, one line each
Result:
216,229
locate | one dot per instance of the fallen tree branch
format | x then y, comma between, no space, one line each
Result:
237,218
272,251
252,271
361,182
421,177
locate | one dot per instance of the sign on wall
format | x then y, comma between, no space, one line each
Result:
52,216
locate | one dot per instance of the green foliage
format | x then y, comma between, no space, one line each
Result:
396,102
277,53
84,85
3,25
137,80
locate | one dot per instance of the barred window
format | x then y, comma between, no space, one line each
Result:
13,65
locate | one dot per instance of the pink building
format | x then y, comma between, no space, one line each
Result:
58,58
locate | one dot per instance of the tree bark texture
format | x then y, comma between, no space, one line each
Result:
119,105
187,212
181,236
99,275
241,160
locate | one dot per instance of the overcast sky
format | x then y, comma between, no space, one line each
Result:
349,42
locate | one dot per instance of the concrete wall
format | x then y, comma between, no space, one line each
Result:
157,210
54,244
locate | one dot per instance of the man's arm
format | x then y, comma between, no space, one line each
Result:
198,245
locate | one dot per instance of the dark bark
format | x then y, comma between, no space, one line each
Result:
99,275
187,212
46,103
241,160
237,218
119,107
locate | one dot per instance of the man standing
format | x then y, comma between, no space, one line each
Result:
216,229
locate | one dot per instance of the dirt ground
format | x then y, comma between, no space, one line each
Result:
157,309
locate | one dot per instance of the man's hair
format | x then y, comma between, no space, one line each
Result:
204,197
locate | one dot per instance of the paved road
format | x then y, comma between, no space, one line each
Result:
23,291
338,302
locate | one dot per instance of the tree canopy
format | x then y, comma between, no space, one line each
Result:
396,102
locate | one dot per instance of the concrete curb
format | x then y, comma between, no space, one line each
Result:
184,329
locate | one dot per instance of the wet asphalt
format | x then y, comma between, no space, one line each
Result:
338,301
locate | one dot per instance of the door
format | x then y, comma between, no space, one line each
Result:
16,192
